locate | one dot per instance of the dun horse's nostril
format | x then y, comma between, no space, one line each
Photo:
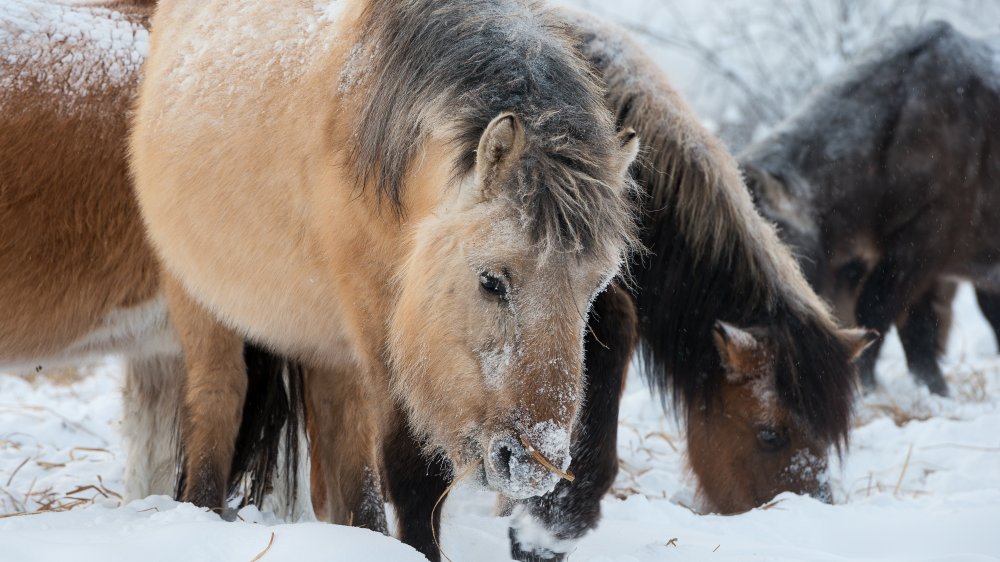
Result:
503,456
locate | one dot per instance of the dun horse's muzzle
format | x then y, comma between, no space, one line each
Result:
513,471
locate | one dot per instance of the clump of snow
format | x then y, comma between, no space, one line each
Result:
70,50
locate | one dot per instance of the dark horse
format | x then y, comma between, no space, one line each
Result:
727,326
886,183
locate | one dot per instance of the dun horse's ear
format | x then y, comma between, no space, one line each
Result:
500,145
739,350
629,142
856,340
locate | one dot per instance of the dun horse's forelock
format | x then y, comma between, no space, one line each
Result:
712,256
453,67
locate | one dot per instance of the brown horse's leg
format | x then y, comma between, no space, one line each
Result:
343,427
574,508
414,482
924,333
215,387
151,407
989,304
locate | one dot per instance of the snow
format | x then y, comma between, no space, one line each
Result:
921,481
76,50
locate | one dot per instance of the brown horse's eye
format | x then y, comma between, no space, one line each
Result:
770,440
493,285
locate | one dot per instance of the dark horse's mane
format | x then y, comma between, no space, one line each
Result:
712,257
434,63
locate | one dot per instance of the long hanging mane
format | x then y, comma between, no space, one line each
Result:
712,257
454,66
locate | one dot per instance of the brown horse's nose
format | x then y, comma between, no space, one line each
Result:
511,469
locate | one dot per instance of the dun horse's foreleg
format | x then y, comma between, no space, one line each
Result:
215,386
414,482
924,334
347,488
989,304
574,508
151,405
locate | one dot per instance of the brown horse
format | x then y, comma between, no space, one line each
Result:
885,181
424,195
761,373
77,278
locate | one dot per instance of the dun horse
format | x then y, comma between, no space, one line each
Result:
727,323
423,196
885,181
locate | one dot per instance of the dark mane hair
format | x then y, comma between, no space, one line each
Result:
454,66
714,258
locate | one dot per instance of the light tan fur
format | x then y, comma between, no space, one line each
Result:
343,429
241,172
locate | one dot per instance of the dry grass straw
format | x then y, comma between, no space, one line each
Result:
540,459
465,473
263,552
902,473
899,415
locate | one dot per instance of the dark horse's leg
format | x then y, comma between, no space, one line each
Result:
414,482
900,278
574,508
989,304
924,334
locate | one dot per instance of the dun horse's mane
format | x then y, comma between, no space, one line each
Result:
454,66
712,257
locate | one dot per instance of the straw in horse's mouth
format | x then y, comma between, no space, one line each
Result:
540,459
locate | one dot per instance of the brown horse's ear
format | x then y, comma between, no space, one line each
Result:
739,350
500,145
629,143
856,340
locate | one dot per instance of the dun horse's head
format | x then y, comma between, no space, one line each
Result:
748,445
487,335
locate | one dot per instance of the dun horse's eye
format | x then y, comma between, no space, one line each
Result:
493,285
770,439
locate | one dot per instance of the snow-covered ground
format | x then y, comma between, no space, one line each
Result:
920,482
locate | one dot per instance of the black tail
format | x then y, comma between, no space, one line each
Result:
273,423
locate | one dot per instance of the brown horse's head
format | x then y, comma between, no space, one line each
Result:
487,335
748,445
